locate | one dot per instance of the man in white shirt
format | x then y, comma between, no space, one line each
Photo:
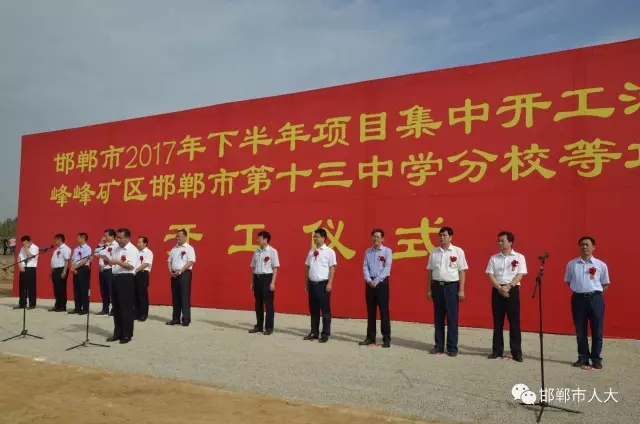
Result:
505,271
446,267
141,309
124,261
321,265
28,262
264,265
60,272
180,262
105,275
81,271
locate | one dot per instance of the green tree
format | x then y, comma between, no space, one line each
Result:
8,227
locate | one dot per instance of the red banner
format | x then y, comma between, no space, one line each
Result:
547,147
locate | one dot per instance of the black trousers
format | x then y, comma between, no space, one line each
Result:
588,311
264,300
509,306
446,306
319,301
59,288
181,296
81,289
123,298
141,304
27,287
378,298
106,283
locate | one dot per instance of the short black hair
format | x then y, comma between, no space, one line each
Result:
265,235
447,230
124,231
84,236
508,234
321,232
591,239
60,237
377,230
25,238
144,239
110,232
183,232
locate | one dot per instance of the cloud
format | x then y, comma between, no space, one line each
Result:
74,63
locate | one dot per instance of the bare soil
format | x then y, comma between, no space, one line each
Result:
33,391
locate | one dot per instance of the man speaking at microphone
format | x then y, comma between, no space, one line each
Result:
28,258
123,264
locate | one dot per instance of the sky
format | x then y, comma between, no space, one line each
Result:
66,64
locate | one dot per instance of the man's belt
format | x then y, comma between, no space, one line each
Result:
444,283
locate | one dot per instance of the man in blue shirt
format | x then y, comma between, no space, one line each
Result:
588,278
376,270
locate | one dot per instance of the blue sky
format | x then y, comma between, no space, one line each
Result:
74,63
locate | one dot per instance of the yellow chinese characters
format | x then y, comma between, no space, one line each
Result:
373,127
421,168
583,108
191,235
522,102
419,122
250,243
332,132
590,156
523,164
334,232
420,245
375,169
471,165
468,113
631,98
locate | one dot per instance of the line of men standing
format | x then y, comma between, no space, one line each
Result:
123,271
129,267
586,276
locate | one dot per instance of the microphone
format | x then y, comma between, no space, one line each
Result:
44,249
543,256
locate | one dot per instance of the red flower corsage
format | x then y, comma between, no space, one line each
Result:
58,253
315,254
592,272
514,265
382,259
123,258
109,249
182,254
141,259
266,259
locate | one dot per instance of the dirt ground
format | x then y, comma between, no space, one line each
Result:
33,391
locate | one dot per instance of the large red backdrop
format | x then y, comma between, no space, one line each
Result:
546,147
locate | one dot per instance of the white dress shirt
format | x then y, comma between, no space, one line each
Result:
265,260
128,254
320,264
32,262
180,255
444,267
60,256
109,252
503,269
146,257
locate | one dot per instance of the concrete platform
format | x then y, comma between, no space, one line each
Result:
217,350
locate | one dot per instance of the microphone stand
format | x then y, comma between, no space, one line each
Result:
86,342
538,290
24,333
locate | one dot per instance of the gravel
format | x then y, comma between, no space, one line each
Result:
217,350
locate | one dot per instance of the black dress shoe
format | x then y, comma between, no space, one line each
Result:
435,351
125,340
323,339
494,355
597,364
310,336
386,343
83,313
367,342
142,319
580,363
268,332
73,311
61,310
185,323
52,309
518,357
255,330
173,322
452,354
113,339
